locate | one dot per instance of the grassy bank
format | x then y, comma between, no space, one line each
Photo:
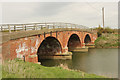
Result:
0,71
20,69
107,40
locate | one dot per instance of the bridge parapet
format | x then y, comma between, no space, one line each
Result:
40,26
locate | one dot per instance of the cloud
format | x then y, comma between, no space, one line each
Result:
0,13
50,8
16,12
83,13
119,15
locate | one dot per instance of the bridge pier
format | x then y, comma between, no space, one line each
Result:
90,45
64,54
81,48
67,55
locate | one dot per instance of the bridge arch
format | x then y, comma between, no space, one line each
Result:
73,42
49,47
87,39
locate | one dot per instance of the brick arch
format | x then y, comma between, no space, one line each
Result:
54,47
48,35
73,34
74,43
86,35
77,33
41,39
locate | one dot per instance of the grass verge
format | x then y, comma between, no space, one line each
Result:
108,40
20,69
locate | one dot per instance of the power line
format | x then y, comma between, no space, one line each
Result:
93,8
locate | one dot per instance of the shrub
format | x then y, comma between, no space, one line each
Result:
101,30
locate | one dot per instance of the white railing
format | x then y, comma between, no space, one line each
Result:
39,26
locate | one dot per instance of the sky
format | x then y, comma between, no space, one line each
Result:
83,13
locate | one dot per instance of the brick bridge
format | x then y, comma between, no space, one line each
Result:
32,42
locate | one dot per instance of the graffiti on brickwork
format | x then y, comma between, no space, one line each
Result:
94,38
26,38
22,48
34,48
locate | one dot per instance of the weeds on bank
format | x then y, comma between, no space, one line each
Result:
20,69
108,40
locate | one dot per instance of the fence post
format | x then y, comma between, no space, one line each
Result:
46,25
1,28
14,28
36,26
41,26
9,28
71,26
23,27
53,25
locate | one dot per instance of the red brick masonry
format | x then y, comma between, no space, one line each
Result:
28,46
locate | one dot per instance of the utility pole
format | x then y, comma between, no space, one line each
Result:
103,16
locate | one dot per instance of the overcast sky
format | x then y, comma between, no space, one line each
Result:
84,13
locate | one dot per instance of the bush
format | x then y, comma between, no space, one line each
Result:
108,30
101,30
107,40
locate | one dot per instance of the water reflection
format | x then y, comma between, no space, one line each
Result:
97,61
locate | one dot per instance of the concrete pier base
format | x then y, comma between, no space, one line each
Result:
67,55
79,49
90,45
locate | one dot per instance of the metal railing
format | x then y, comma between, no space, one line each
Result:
39,26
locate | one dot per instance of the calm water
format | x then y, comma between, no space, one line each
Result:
95,61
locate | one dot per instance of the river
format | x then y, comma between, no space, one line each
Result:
96,61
